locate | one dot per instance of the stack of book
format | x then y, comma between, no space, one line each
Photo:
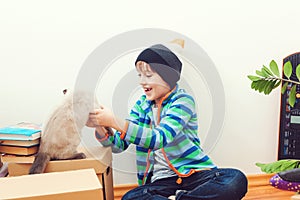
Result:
19,142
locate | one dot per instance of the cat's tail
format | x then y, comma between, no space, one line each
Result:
40,162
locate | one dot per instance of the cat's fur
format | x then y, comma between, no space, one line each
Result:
61,133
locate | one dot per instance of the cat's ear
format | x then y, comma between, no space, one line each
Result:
65,91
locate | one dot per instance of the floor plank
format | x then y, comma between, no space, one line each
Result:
259,188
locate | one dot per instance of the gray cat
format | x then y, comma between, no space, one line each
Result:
61,133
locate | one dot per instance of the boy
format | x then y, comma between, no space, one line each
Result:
163,126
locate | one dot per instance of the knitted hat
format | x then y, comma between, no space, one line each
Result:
163,61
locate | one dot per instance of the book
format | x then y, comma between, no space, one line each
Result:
27,125
15,150
12,133
21,143
7,158
21,131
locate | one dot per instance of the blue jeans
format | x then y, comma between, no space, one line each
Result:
215,184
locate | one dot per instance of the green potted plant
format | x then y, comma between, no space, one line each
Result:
269,78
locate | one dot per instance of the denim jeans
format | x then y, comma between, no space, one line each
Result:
215,184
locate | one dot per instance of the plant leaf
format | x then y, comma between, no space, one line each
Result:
277,84
278,166
267,71
292,97
261,73
269,87
257,85
274,68
261,85
254,85
283,89
287,69
265,86
298,72
253,78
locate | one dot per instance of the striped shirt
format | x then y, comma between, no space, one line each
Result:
176,135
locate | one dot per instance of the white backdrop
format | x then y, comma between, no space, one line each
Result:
43,45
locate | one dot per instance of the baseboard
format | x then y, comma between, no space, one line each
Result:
255,180
120,190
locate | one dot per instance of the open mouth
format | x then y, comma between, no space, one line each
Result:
147,89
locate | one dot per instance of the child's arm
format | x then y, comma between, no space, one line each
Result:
173,122
105,135
104,117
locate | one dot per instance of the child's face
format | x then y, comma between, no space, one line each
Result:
154,86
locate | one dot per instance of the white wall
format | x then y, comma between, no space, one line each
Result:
43,45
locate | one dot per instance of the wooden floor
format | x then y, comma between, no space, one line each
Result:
258,189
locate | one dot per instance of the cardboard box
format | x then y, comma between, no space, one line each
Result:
98,158
79,184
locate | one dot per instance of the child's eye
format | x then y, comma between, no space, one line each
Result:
149,75
139,75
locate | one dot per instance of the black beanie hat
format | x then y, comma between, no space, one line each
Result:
163,61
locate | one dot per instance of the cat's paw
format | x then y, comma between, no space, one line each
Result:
79,156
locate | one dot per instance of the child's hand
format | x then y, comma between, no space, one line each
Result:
102,131
89,123
101,117
105,117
